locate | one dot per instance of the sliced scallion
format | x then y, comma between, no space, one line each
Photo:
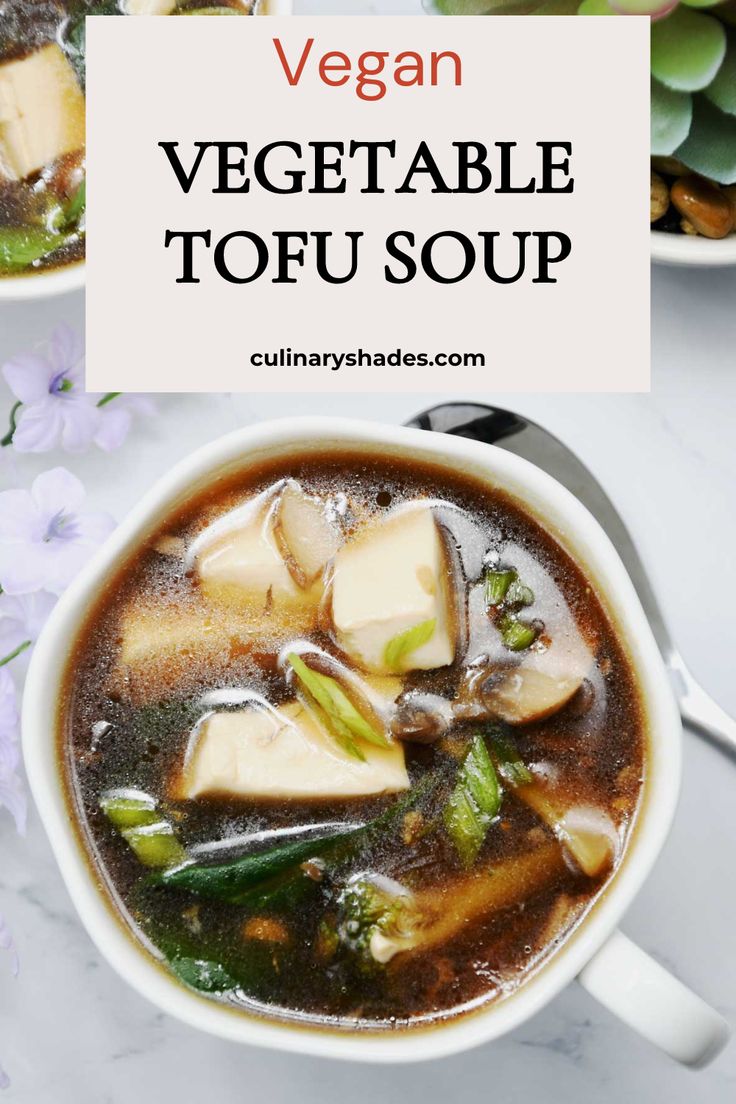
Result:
497,583
473,803
519,595
155,845
404,643
517,635
510,765
340,715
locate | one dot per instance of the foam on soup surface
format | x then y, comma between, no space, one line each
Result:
352,740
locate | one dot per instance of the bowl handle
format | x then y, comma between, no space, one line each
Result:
646,997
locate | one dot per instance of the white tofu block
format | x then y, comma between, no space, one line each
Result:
245,566
258,752
149,7
390,578
41,112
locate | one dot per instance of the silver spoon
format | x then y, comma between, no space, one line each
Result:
500,427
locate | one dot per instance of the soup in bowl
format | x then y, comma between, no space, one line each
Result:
358,732
42,131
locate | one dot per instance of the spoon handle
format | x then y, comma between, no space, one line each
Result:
698,709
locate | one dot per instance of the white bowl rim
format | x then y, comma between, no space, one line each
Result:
693,250
566,517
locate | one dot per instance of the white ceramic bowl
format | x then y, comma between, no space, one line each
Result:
692,251
614,969
46,284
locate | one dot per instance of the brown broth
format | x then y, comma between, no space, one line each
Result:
112,736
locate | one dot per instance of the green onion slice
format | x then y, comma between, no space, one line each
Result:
497,584
340,715
473,803
516,635
510,765
402,645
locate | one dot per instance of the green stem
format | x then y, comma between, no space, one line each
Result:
109,397
18,651
8,438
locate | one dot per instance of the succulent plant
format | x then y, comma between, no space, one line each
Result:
693,67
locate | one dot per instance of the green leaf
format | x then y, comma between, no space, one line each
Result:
473,803
278,869
722,90
710,148
595,7
400,647
687,49
207,977
20,247
700,3
76,205
671,115
340,714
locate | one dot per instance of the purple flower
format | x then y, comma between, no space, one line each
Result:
21,620
11,787
56,411
44,536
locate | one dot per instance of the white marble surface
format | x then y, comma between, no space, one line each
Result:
72,1032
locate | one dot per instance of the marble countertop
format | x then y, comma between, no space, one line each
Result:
72,1032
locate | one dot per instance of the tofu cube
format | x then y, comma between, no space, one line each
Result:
389,579
284,753
41,112
149,7
245,567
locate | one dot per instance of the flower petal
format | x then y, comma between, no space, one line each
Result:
18,516
55,490
28,376
39,427
66,351
81,419
113,428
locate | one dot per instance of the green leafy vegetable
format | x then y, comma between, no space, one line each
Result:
264,871
510,765
76,205
404,643
200,974
21,246
340,715
473,803
497,584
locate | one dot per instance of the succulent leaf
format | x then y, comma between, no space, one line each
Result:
687,50
700,3
722,90
595,7
655,8
671,115
710,147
